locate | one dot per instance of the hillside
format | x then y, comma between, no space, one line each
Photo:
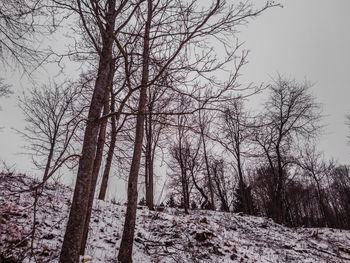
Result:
162,236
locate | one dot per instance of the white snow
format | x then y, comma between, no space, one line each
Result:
166,236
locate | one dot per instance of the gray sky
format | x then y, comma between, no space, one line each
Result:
305,39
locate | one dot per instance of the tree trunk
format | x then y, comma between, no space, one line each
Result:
74,231
200,190
97,163
247,206
48,163
104,183
210,184
130,217
149,161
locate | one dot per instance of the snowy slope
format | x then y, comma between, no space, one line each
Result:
166,236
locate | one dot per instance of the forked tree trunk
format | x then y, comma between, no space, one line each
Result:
130,217
97,162
74,231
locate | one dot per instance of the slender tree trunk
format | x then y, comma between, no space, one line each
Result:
149,161
221,194
74,231
130,217
126,245
104,183
208,172
279,192
185,190
244,192
97,164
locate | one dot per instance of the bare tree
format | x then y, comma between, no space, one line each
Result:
291,114
223,183
185,155
153,130
313,164
103,19
98,158
52,118
204,121
98,23
21,22
130,217
339,191
234,136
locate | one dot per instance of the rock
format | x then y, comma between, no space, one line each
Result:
203,236
263,225
176,235
4,259
138,240
207,244
109,241
204,220
160,209
286,246
216,251
169,243
49,236
345,250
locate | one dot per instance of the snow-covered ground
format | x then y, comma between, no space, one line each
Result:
160,236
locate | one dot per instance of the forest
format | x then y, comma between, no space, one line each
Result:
157,102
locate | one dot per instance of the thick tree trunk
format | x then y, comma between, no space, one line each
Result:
48,163
74,231
97,166
104,183
126,245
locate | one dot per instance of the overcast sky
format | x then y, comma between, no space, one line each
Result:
307,39
304,39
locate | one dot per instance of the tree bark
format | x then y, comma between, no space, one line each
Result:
105,178
210,184
74,231
125,253
149,160
97,161
49,159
